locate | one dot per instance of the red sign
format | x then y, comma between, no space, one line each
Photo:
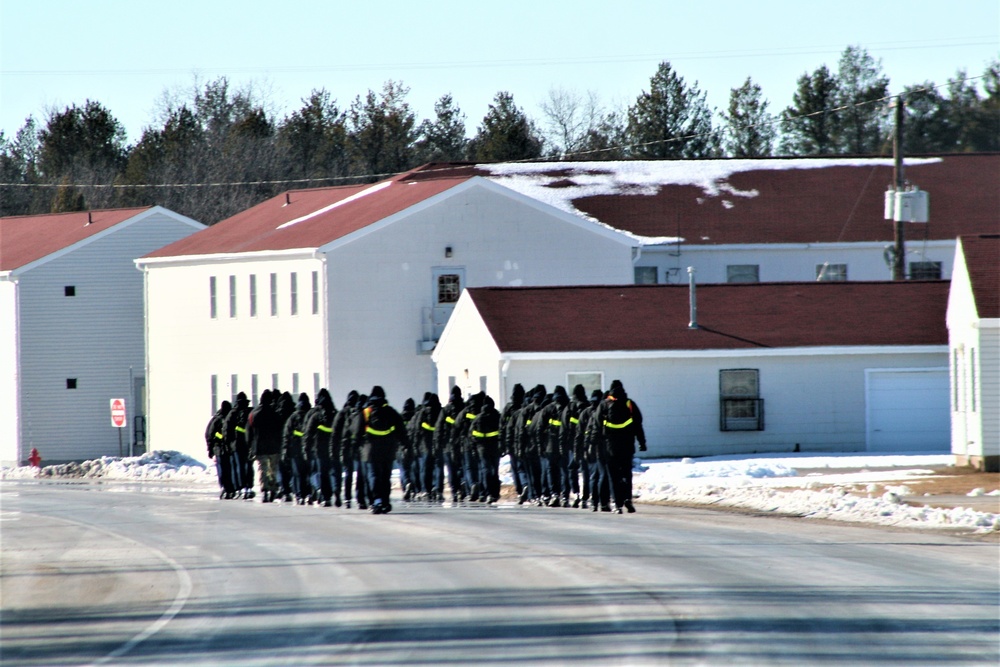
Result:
118,412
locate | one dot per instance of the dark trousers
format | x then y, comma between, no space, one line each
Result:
531,475
351,466
453,461
319,477
584,474
243,469
515,472
299,477
620,470
470,472
379,469
224,470
551,475
489,469
600,483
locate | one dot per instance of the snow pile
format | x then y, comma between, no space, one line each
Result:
773,484
155,466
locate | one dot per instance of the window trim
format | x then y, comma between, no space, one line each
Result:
728,422
213,309
232,296
253,295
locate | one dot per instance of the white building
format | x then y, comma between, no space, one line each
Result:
768,367
344,288
71,328
974,350
769,219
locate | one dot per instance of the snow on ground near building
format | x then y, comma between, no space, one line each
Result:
805,485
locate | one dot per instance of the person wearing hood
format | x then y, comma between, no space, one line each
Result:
443,430
507,428
264,434
485,433
322,453
574,463
380,431
239,446
621,422
430,465
592,446
407,479
527,446
285,408
353,476
294,464
218,449
549,433
464,446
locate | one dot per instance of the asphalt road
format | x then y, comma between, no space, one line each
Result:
145,574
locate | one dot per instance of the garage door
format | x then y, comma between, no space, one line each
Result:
908,411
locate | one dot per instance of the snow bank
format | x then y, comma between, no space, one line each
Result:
152,466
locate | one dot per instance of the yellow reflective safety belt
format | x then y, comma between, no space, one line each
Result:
574,420
298,433
218,436
371,431
240,429
555,422
325,429
426,426
449,419
479,434
469,415
622,425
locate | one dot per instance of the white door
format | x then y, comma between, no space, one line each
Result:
908,410
448,283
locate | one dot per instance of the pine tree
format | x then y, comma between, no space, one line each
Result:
750,130
443,140
314,139
18,158
506,133
809,125
671,119
381,132
863,127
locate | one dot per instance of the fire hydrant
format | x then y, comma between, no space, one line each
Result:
35,459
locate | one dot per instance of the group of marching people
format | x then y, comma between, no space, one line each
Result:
564,450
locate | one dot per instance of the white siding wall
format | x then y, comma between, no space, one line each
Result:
789,263
187,346
817,402
94,337
471,354
380,283
989,387
963,344
8,374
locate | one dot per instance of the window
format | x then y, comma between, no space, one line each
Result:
315,384
743,273
645,275
482,383
741,407
233,389
71,383
254,388
295,385
215,393
211,297
274,295
449,286
925,270
955,380
253,296
295,294
972,379
315,290
69,290
232,296
831,272
274,380
590,380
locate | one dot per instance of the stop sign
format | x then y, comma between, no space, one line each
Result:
118,412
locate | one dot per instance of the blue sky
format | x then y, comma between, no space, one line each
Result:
127,54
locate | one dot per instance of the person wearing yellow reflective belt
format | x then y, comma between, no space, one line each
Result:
215,439
239,447
443,430
293,455
622,426
380,430
485,433
322,455
429,462
550,435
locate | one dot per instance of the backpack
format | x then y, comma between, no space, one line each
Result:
618,417
378,421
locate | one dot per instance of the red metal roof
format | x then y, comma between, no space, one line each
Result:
730,316
27,238
821,200
324,214
982,258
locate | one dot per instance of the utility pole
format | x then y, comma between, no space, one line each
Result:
899,242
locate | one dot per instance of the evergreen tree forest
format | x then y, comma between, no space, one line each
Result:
223,149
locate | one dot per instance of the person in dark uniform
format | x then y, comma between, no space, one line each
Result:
349,450
574,463
264,434
218,449
528,451
285,406
322,452
239,446
407,480
549,433
591,446
430,461
293,455
508,423
485,433
443,440
621,421
380,431
465,448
